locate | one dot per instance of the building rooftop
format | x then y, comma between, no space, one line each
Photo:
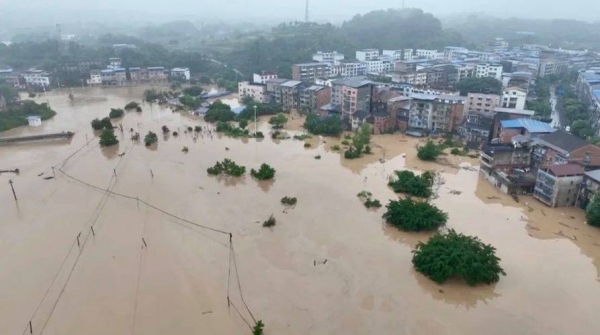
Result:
563,170
180,69
354,82
156,68
532,126
291,83
277,81
311,64
134,69
314,88
514,111
562,140
594,175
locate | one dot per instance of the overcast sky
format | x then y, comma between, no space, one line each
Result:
279,10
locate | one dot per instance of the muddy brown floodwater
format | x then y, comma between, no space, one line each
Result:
178,282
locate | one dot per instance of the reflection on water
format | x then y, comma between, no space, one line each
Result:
367,285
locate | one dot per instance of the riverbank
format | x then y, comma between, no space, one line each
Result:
146,272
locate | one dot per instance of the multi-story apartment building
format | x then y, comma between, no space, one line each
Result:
181,72
561,147
135,74
489,70
408,54
394,54
558,185
427,53
108,77
590,186
114,63
455,53
9,76
37,77
408,65
314,97
120,76
332,58
514,97
274,90
257,92
367,54
375,66
481,103
309,72
261,78
552,67
433,112
351,95
523,127
350,69
290,94
157,74
588,90
95,78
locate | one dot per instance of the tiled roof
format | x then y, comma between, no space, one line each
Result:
563,140
594,175
561,170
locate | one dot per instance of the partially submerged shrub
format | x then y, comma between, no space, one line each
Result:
290,201
270,221
265,172
228,167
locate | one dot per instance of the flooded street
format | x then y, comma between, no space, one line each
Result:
142,271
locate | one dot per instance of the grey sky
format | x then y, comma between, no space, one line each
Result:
278,10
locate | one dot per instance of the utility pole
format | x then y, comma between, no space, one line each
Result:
13,189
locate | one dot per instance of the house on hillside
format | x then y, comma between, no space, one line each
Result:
590,185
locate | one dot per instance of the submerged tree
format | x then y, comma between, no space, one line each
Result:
428,152
413,215
278,121
265,172
116,113
228,167
449,255
102,124
150,138
409,183
108,138
258,328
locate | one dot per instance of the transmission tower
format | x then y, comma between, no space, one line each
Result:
306,12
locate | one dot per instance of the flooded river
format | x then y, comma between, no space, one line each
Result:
142,271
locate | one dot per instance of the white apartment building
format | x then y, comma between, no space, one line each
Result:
514,97
367,54
114,63
263,77
426,53
408,54
353,69
454,53
95,78
489,70
257,92
37,77
375,66
181,72
332,58
394,54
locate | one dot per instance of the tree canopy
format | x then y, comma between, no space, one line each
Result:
105,123
454,255
487,85
278,121
265,172
592,211
218,111
412,184
15,115
330,125
414,215
108,138
429,151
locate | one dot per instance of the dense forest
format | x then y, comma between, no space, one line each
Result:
295,42
571,34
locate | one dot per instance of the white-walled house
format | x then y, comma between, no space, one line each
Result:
181,72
